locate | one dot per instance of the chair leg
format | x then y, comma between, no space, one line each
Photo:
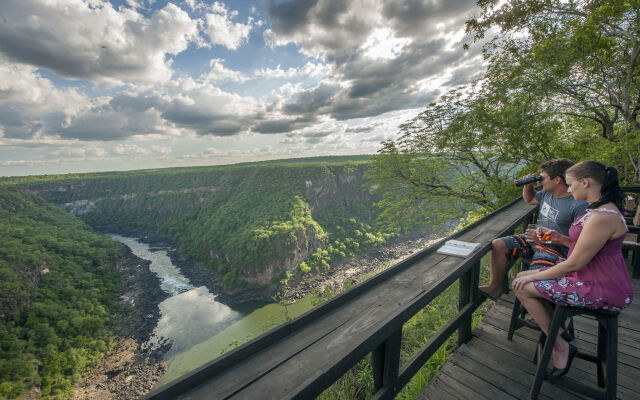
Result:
556,321
515,315
601,351
570,328
542,339
612,358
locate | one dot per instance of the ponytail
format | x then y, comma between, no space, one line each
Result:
606,176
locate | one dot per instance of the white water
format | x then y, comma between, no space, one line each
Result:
191,315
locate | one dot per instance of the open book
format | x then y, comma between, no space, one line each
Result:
458,248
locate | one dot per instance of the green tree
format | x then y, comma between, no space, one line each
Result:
579,56
462,153
562,80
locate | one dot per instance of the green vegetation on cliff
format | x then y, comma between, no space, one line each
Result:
251,224
56,290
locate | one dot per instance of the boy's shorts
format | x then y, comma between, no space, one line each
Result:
541,255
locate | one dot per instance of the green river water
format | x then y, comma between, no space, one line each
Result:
252,325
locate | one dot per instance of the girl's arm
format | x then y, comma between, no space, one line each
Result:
596,230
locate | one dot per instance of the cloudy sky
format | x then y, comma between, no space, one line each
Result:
93,85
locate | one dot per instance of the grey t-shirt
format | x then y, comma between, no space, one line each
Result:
558,213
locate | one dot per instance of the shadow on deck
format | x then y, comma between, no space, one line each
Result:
492,367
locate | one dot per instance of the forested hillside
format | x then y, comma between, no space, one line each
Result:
57,290
250,224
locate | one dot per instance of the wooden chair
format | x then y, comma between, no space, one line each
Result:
606,357
631,248
518,312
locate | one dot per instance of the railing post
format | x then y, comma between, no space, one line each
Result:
635,260
468,292
385,361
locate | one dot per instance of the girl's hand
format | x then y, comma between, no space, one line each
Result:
520,281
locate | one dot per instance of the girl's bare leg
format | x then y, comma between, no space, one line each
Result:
542,312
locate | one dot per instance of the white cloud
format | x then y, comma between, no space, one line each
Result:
212,151
272,73
218,72
324,27
94,41
160,149
222,31
30,163
96,152
382,43
309,69
30,105
130,149
71,151
204,109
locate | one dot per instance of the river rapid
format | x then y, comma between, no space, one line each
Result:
194,328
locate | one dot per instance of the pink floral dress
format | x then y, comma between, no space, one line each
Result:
603,283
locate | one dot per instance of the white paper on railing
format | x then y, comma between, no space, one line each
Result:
458,248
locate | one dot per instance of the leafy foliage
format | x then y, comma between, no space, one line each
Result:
457,155
579,57
56,290
562,80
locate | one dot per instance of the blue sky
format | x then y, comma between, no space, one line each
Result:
94,85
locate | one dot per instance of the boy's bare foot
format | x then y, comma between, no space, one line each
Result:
490,292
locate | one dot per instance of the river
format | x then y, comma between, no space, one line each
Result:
198,327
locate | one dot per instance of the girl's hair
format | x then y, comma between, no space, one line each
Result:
606,176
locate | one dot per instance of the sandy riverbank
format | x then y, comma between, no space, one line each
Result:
128,370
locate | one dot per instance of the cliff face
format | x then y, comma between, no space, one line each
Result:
248,224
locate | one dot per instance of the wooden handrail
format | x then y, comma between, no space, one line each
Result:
633,247
301,358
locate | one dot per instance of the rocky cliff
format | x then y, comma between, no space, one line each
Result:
251,225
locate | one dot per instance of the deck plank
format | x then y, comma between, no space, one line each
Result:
499,368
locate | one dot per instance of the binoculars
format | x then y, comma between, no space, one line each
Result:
528,179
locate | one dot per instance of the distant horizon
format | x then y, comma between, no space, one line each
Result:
135,84
301,159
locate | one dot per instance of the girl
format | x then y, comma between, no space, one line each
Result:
594,274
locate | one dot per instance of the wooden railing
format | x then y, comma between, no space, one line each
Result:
633,246
303,357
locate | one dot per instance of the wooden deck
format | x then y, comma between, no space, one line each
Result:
492,367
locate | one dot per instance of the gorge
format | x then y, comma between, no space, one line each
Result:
239,232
